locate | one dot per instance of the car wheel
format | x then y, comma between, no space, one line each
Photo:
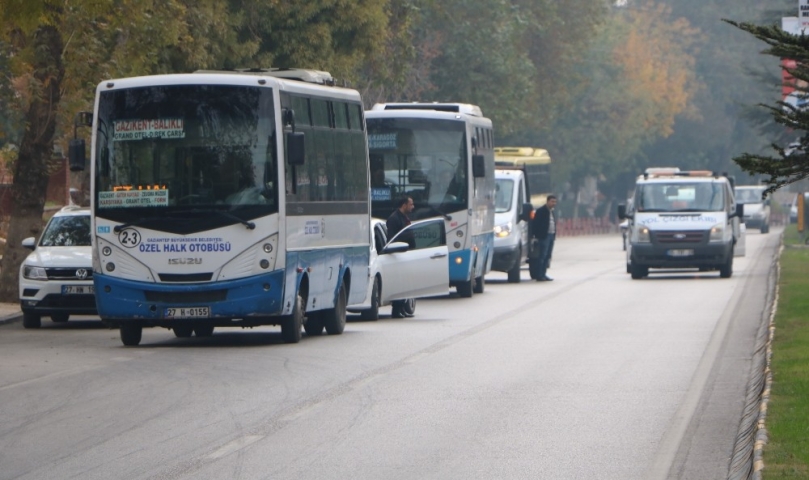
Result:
183,331
765,228
291,326
203,330
60,317
480,284
131,334
373,312
31,320
409,307
334,319
639,272
514,273
726,270
465,288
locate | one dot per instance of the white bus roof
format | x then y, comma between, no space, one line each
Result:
464,108
304,75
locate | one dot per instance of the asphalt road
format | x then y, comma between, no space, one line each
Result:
592,376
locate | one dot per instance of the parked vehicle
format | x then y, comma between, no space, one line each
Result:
56,279
512,214
756,207
682,220
401,271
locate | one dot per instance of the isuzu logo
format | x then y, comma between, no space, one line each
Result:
185,261
679,236
81,273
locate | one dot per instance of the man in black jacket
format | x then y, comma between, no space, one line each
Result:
543,228
398,220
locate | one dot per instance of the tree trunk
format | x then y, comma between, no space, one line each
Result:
36,149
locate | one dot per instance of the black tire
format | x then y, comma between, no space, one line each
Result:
409,307
291,326
313,325
514,273
465,289
60,317
183,331
373,312
639,272
31,320
726,270
480,284
131,334
203,330
334,319
765,228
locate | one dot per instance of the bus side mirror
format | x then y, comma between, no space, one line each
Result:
478,166
527,210
622,211
76,152
295,148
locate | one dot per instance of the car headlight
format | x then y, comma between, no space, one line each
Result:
643,235
34,273
717,233
502,230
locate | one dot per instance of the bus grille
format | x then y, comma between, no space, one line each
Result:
187,297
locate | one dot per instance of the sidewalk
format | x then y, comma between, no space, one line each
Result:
10,312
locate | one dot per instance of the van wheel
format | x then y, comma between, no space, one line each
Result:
765,228
639,272
131,334
183,331
480,284
465,288
60,317
726,270
373,312
203,330
514,273
334,319
291,326
31,320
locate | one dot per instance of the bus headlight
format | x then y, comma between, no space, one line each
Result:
717,233
643,235
504,230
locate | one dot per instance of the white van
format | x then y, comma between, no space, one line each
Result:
681,219
756,208
512,214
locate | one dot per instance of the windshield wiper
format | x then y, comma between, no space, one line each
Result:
249,225
445,215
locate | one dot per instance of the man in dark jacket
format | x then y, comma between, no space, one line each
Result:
543,228
398,220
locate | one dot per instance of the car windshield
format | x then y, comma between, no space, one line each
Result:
67,231
749,195
680,197
503,193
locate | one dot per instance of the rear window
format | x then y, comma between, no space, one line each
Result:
67,231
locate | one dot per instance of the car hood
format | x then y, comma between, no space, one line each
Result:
61,257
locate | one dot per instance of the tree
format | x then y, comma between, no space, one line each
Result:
791,162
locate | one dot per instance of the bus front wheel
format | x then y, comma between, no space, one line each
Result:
131,334
465,288
291,327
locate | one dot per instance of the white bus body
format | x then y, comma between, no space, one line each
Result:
441,155
199,219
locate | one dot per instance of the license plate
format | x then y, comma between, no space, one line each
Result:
78,290
187,312
681,253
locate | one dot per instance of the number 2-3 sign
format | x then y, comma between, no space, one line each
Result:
129,238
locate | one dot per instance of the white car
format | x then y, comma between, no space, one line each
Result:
413,264
56,279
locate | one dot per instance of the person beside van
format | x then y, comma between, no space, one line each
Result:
543,228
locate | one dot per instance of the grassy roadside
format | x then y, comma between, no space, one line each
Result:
786,454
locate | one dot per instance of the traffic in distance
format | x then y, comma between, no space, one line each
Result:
259,197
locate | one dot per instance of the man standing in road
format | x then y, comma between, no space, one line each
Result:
398,220
543,228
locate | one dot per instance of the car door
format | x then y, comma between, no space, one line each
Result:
420,271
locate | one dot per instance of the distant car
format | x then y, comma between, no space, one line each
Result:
411,265
56,279
756,208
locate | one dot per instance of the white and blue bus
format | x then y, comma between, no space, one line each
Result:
228,199
442,156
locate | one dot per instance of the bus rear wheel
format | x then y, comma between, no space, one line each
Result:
480,284
183,331
334,319
466,288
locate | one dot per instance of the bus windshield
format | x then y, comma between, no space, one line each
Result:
680,197
170,156
424,159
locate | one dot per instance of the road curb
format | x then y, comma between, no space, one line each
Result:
15,317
